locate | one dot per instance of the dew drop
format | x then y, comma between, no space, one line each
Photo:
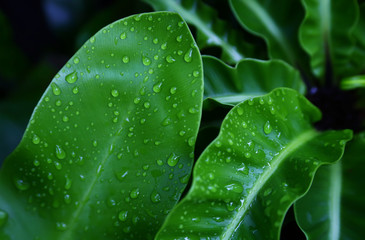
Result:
173,90
123,216
134,193
239,111
72,77
196,73
114,93
155,197
173,160
267,127
75,90
65,119
92,39
36,163
125,59
147,105
36,139
235,187
157,87
60,153
244,124
170,59
55,89
21,184
60,226
146,61
123,36
167,121
76,60
191,141
188,55
179,38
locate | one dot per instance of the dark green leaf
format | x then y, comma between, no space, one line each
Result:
109,147
250,78
325,34
274,21
262,161
211,30
358,53
334,206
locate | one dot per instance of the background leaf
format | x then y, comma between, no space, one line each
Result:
269,19
211,31
111,134
262,161
353,82
325,34
250,78
334,208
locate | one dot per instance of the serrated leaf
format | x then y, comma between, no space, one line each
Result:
111,134
211,31
325,34
250,78
334,207
262,161
274,21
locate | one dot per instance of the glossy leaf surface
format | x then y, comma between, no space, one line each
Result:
109,147
262,161
250,78
325,34
353,82
334,206
211,31
269,19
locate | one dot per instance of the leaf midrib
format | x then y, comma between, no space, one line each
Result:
335,201
230,49
299,141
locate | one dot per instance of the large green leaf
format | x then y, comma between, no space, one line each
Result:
109,147
274,21
325,35
250,78
334,206
211,30
262,161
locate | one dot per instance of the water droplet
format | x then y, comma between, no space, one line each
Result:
173,160
36,139
123,216
95,143
267,127
239,111
244,124
75,90
157,87
170,59
92,39
167,121
76,60
55,89
235,187
123,36
146,61
267,192
147,105
67,198
196,73
65,119
60,153
134,193
155,197
125,59
21,184
179,38
173,90
68,183
61,226
3,217
188,55
36,163
115,93
164,46
72,77
182,133
191,141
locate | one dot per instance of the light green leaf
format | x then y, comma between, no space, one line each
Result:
274,21
353,82
334,208
325,34
262,161
109,147
358,54
211,30
250,78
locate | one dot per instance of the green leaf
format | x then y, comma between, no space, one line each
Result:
334,206
358,53
325,34
250,78
109,146
211,30
274,21
262,161
353,82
